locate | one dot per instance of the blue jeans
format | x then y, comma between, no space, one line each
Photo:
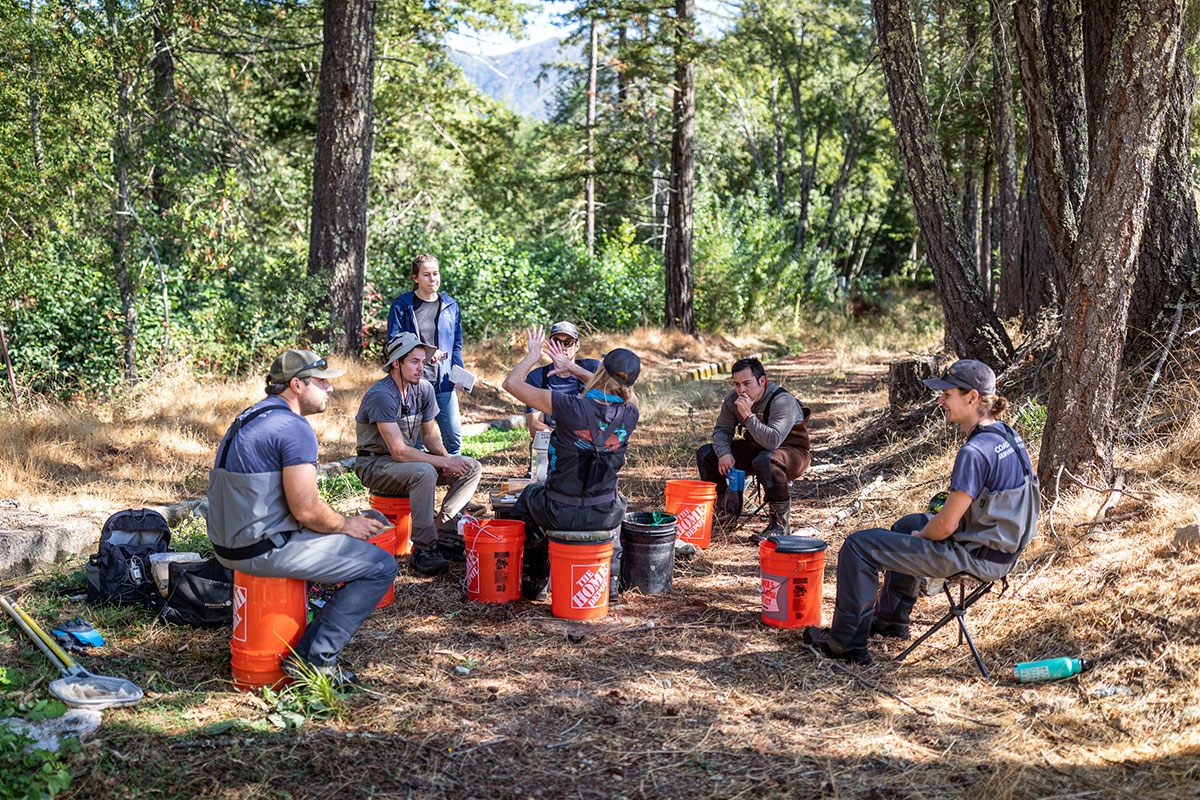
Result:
449,422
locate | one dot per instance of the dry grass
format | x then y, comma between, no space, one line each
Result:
688,694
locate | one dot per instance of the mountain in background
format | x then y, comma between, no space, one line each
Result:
512,78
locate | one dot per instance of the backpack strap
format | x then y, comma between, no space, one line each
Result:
766,411
238,424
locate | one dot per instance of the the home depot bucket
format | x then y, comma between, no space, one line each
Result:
692,504
792,568
269,616
579,573
399,513
494,550
386,540
648,561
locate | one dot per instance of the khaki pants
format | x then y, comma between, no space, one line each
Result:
419,481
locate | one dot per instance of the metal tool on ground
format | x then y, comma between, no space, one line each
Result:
77,688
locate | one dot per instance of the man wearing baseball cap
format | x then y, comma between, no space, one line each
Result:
266,518
397,415
989,515
566,335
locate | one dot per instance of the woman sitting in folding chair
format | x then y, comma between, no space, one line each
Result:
988,517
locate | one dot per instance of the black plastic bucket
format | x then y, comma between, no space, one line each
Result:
648,538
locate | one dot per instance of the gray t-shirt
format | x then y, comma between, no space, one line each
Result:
384,403
425,314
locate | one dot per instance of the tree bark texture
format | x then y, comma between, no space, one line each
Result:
1008,298
1170,254
1036,288
972,329
679,309
1101,259
163,102
985,229
338,237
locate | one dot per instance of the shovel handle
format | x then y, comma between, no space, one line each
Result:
50,647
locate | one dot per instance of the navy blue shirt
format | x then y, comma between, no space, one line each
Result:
987,461
541,379
271,441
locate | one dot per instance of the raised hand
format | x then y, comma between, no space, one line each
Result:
537,338
558,356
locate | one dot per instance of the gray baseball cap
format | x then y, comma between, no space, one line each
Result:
402,345
566,328
967,374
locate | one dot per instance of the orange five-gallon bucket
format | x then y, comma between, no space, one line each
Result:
792,568
494,551
399,513
386,540
269,616
579,572
692,504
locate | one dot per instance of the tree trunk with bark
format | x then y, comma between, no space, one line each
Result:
1169,258
972,329
122,205
338,238
679,309
1008,298
1036,288
162,64
1098,243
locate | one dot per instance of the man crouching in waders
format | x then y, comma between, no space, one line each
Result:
587,450
266,518
987,518
762,430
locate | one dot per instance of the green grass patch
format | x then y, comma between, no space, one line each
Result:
492,440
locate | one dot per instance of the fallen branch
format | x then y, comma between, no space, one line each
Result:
1111,500
854,507
1117,518
1162,360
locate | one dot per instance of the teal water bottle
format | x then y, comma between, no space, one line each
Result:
1051,669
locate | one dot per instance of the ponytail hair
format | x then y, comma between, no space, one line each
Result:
609,385
994,405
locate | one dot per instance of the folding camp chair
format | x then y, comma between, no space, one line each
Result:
958,611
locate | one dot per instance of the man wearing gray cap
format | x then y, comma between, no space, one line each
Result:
398,413
566,335
266,518
986,519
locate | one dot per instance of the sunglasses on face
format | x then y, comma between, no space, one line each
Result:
562,340
318,364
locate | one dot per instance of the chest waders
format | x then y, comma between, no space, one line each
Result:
248,514
999,524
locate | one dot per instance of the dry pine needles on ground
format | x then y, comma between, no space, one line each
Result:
688,694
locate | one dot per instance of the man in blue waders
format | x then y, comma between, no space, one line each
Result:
266,518
763,430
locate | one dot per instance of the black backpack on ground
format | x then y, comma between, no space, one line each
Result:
119,572
199,593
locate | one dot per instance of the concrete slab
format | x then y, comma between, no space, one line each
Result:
29,539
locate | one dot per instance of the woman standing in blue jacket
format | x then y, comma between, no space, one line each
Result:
433,317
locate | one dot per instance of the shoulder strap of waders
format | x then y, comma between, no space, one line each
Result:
238,424
1003,431
741,428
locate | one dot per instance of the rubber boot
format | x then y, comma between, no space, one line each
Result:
779,524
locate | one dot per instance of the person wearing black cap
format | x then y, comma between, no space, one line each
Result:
396,415
546,377
587,450
266,518
763,430
987,518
